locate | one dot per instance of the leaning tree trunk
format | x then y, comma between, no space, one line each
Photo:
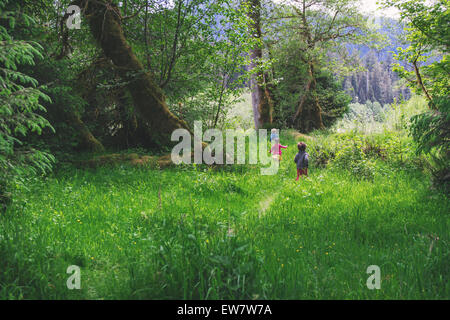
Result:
261,99
309,112
421,84
87,140
105,23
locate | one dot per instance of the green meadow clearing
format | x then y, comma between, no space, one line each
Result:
95,93
198,232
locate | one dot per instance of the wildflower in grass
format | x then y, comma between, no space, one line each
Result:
326,253
207,241
282,265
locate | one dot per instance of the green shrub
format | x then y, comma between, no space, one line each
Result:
322,153
364,169
358,153
349,152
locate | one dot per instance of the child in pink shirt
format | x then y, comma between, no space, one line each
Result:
276,149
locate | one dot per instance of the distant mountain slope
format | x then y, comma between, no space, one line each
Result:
378,82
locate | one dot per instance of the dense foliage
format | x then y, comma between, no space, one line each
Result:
428,72
20,102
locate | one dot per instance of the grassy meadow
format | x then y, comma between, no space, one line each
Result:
96,95
198,232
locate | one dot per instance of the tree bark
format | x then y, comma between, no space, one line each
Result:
420,82
105,23
219,104
147,53
302,100
261,100
310,117
88,141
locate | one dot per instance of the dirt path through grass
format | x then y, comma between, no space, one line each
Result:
265,204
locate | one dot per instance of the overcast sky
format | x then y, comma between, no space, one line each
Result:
371,7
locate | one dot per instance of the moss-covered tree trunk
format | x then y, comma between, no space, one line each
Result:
105,23
261,99
309,113
87,139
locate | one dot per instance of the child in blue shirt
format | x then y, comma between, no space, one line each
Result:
301,159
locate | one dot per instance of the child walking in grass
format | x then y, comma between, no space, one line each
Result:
276,149
301,159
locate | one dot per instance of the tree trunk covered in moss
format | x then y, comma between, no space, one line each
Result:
309,113
105,23
261,99
87,140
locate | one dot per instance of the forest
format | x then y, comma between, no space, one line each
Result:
94,206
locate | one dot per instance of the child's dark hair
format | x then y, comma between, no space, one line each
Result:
301,146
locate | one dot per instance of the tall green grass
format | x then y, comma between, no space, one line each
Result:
227,233
393,117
